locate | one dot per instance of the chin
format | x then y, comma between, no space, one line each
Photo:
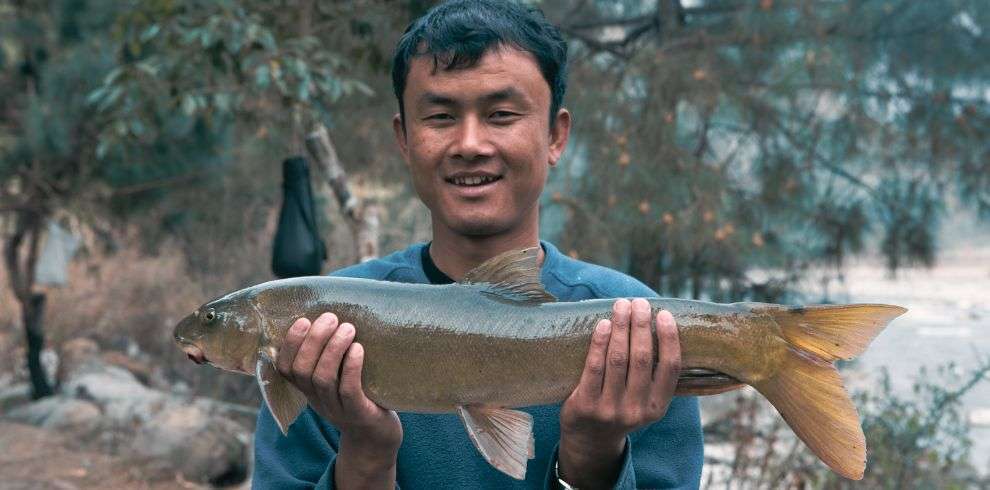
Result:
478,227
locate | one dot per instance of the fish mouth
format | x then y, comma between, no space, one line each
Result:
195,354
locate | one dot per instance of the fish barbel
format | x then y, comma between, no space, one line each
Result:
497,340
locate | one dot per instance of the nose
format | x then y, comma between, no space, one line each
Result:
472,141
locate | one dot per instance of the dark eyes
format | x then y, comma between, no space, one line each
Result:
209,316
497,115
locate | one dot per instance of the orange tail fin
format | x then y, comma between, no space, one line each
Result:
808,391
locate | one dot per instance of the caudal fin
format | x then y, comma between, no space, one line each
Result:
808,391
834,332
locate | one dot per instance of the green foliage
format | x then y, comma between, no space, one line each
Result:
721,137
918,440
214,60
922,441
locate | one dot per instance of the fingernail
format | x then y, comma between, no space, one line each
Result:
603,327
641,305
300,327
346,329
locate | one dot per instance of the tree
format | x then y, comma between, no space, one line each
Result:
718,136
147,115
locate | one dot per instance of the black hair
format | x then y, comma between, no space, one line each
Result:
458,33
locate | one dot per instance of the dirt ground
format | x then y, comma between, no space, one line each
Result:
37,459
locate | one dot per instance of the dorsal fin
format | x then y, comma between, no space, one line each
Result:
512,276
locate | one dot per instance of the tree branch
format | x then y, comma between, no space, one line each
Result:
363,219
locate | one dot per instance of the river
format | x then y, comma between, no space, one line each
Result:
948,320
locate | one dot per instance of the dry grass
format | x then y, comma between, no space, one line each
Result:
134,296
130,301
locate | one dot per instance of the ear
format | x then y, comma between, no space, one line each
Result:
400,136
559,134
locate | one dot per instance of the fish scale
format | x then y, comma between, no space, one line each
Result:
496,341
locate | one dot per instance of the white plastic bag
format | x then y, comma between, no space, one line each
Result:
53,263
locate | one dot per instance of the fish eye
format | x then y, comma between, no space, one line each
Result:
210,316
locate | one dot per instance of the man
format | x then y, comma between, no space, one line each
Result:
480,85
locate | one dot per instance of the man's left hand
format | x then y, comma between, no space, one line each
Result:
619,392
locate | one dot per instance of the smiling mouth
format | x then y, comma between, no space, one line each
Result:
473,181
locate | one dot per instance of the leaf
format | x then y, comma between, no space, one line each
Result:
147,68
362,88
94,96
267,40
102,147
188,105
222,101
262,77
113,76
302,91
150,32
111,97
137,127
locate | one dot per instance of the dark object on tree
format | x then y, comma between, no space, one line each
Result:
35,343
298,249
20,257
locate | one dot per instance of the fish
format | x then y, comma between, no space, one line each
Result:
497,340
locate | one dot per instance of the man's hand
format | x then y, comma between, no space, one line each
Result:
619,392
311,357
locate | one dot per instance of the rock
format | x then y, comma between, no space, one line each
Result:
195,443
12,396
49,365
34,458
75,353
163,433
124,400
58,412
141,371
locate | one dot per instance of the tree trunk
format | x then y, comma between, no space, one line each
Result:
33,314
20,261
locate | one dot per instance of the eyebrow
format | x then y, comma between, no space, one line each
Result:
432,98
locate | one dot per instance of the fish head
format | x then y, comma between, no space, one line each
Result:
225,333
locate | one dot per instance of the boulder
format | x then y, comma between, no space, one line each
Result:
58,413
192,441
168,434
14,395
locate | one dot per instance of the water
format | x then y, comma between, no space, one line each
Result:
948,319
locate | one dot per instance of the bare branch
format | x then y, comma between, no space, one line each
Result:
362,219
322,150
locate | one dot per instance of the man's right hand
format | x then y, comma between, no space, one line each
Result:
311,357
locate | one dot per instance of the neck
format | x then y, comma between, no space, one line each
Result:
456,254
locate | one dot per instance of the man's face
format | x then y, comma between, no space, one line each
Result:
478,141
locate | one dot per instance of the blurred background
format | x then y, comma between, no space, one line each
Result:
805,151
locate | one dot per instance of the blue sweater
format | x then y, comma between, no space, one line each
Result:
436,451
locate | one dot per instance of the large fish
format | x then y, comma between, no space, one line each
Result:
497,341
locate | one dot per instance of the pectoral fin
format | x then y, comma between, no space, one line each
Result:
504,437
284,401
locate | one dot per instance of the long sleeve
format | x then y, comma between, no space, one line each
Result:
669,453
303,458
666,454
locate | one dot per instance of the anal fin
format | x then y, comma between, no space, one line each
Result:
504,437
284,400
703,382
